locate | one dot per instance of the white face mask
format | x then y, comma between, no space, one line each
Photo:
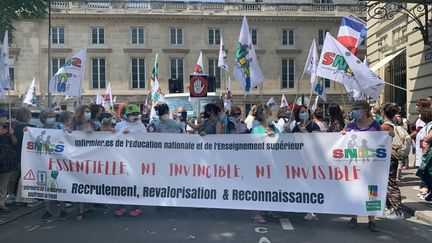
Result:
50,121
164,117
269,120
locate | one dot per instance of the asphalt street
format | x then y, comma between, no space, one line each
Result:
206,225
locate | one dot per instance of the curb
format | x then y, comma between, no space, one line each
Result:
425,216
25,213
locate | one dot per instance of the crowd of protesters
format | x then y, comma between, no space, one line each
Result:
216,119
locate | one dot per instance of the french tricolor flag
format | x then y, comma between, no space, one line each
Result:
352,32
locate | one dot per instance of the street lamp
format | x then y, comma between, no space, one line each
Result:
387,9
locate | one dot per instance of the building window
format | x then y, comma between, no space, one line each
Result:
214,36
254,35
321,36
327,83
98,35
138,73
288,37
12,77
323,1
288,73
176,68
98,73
214,71
57,35
56,64
176,36
137,36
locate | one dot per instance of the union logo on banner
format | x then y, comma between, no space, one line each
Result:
198,85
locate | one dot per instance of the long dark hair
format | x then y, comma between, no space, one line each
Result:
335,114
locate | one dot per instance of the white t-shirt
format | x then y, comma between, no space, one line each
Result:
420,135
281,124
131,126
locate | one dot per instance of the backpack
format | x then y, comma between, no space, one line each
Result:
401,143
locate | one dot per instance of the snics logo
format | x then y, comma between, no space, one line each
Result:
42,144
338,61
362,151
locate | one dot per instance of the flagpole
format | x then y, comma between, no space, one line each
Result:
10,111
342,95
49,52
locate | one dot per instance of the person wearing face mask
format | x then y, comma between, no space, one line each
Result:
319,120
227,124
133,122
81,118
264,116
164,124
240,126
106,121
96,111
304,122
363,121
211,123
65,120
283,123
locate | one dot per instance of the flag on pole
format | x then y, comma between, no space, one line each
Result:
99,99
315,104
352,33
318,88
4,66
199,66
30,97
271,103
284,102
246,68
222,62
339,64
114,100
56,102
107,99
311,62
156,91
228,98
68,78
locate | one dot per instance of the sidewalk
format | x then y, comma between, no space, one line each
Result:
411,203
18,211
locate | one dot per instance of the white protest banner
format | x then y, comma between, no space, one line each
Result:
319,172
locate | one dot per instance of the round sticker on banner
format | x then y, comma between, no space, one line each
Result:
198,86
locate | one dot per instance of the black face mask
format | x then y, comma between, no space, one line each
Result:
183,116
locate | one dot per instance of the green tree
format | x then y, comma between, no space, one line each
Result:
11,10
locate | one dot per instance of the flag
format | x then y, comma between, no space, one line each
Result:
4,67
99,99
30,97
115,99
352,33
155,71
271,103
199,66
246,68
56,102
107,99
311,62
318,88
68,78
339,64
284,102
315,104
222,62
156,91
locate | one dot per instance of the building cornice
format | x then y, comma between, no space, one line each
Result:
57,50
99,50
137,50
288,51
176,50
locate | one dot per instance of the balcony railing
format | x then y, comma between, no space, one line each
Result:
117,6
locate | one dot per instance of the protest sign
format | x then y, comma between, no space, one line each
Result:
319,172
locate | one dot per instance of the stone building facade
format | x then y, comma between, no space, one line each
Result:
123,37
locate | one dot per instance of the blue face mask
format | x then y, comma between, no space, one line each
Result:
356,114
304,116
87,116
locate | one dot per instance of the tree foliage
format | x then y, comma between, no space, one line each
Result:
11,10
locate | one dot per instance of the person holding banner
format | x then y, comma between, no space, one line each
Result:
65,119
212,123
96,111
337,121
164,124
319,120
47,118
106,119
133,122
264,116
227,124
8,159
241,127
304,122
363,121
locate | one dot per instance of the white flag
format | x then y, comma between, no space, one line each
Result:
315,104
339,64
284,102
311,63
107,99
246,68
318,88
156,92
228,98
115,99
99,99
199,66
272,103
4,67
30,97
222,62
68,78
